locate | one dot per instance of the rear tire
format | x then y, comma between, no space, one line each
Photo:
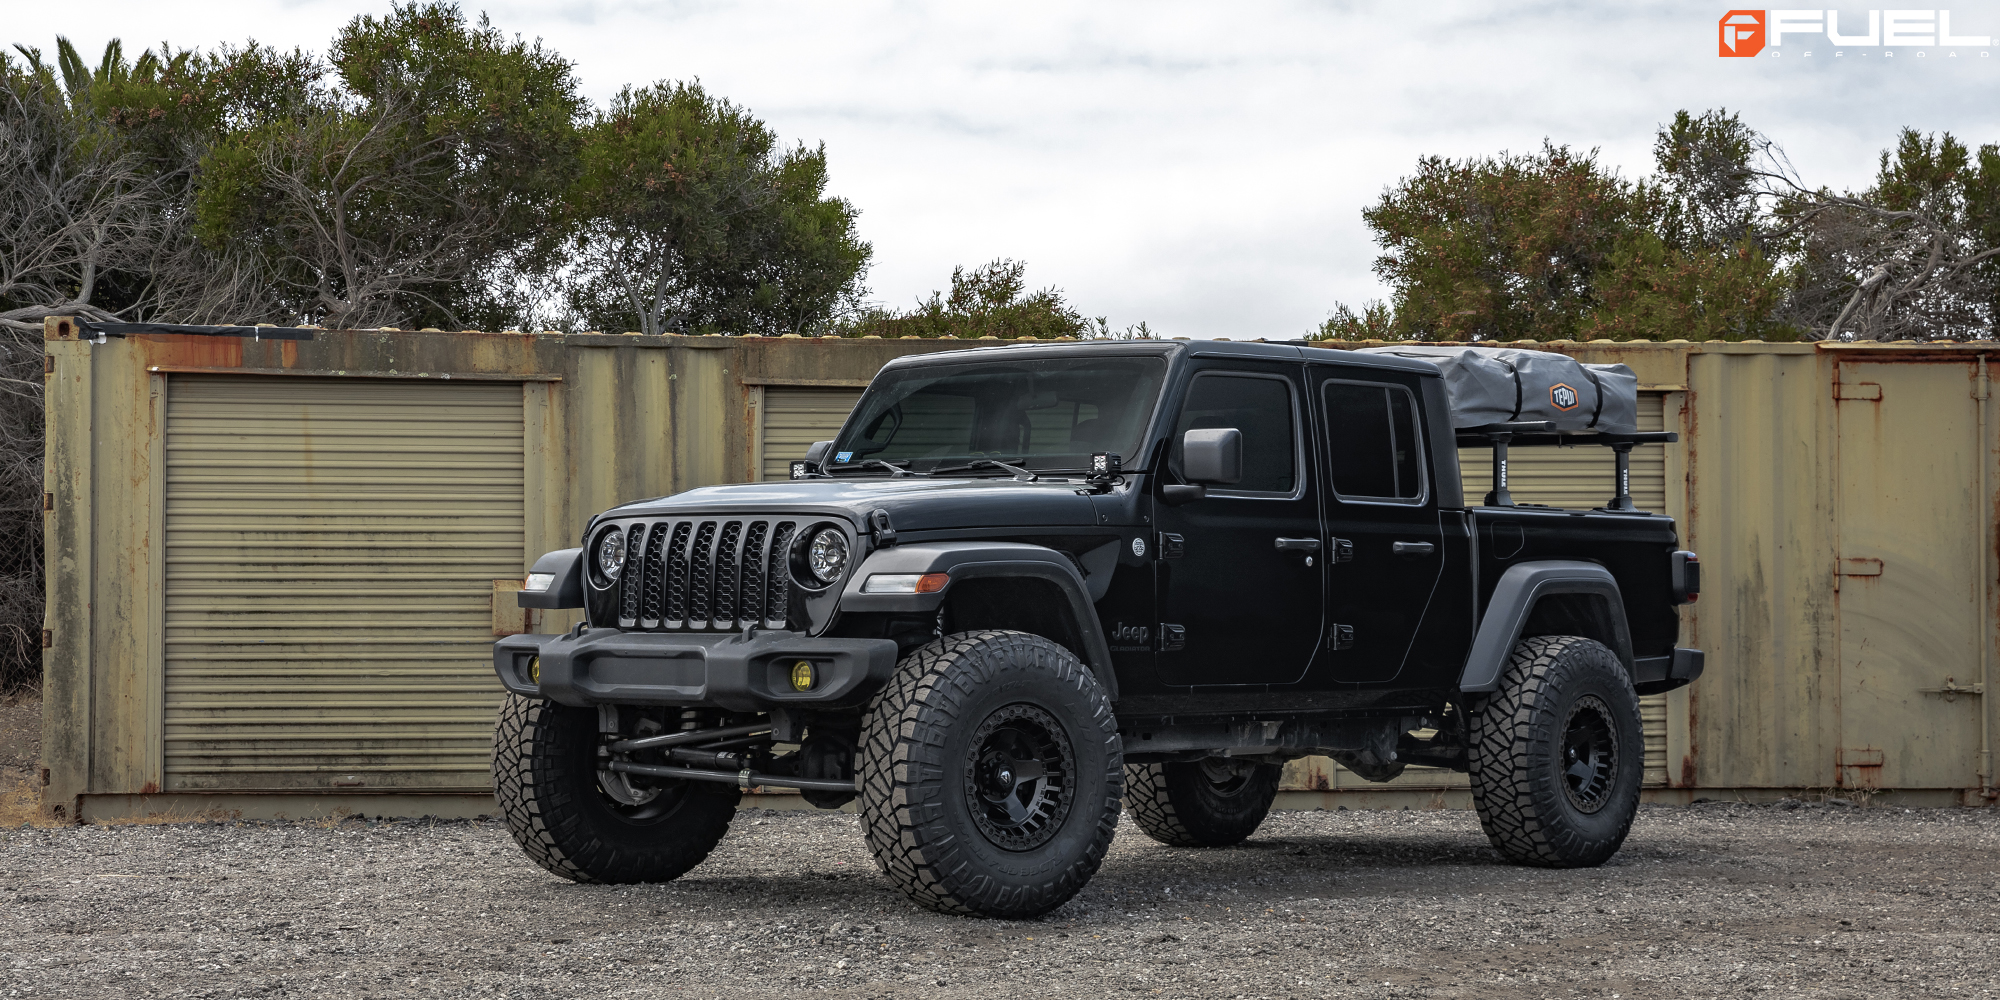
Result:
990,775
545,778
1212,802
1557,755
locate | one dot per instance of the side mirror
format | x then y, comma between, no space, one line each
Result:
1213,456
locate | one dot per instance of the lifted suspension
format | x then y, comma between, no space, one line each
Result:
710,762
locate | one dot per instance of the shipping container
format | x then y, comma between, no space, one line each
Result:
277,556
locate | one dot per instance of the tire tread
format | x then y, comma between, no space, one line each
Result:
1503,752
901,762
546,819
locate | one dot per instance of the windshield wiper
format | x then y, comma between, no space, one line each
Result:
1019,473
893,468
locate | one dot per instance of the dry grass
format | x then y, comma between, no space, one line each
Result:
21,799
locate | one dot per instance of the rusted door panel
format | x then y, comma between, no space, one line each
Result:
1908,574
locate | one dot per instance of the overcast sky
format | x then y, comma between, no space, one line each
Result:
1199,166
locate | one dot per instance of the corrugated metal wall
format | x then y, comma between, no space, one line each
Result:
331,547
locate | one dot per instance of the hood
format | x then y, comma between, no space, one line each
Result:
913,503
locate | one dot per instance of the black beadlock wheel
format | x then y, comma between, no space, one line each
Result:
1557,755
991,772
1212,802
591,826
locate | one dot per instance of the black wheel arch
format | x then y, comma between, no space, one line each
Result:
996,585
1546,597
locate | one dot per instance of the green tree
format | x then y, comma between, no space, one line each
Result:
989,301
1501,248
1375,321
1697,262
416,191
688,217
1551,246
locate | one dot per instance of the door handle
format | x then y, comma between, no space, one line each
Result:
1306,545
1413,548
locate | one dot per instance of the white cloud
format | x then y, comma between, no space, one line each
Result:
1200,166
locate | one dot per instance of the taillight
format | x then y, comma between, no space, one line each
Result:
1685,579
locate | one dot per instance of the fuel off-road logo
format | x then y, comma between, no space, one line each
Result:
1740,34
1562,397
1743,34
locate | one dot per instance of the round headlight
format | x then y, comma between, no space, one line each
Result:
828,555
611,553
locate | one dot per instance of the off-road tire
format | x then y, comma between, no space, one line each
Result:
545,777
1182,804
1521,782
919,762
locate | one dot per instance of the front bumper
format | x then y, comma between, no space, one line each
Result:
606,666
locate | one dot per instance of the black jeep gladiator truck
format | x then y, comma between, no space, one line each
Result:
1026,585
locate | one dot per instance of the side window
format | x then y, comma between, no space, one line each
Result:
1259,407
1372,439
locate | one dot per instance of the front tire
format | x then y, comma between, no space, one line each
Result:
546,780
1557,755
1213,802
991,771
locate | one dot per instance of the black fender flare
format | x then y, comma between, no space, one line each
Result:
1514,598
974,560
566,590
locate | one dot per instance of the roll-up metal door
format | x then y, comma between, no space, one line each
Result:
331,547
1583,478
795,417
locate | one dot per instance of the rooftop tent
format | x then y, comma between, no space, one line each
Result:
1497,385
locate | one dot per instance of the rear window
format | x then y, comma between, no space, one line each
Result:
1371,432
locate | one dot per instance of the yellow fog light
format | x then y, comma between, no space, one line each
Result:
534,670
804,676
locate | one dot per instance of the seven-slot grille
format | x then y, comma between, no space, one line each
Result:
705,575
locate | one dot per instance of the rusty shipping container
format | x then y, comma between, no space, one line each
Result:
276,556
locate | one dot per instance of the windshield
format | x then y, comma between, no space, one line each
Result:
1044,414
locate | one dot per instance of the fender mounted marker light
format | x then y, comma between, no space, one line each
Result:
905,583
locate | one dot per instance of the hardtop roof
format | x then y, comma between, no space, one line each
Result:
1274,351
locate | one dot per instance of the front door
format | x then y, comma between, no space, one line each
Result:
1241,589
1382,522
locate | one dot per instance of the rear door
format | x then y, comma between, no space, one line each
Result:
1235,608
1387,550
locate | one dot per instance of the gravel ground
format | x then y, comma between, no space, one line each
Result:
1710,900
